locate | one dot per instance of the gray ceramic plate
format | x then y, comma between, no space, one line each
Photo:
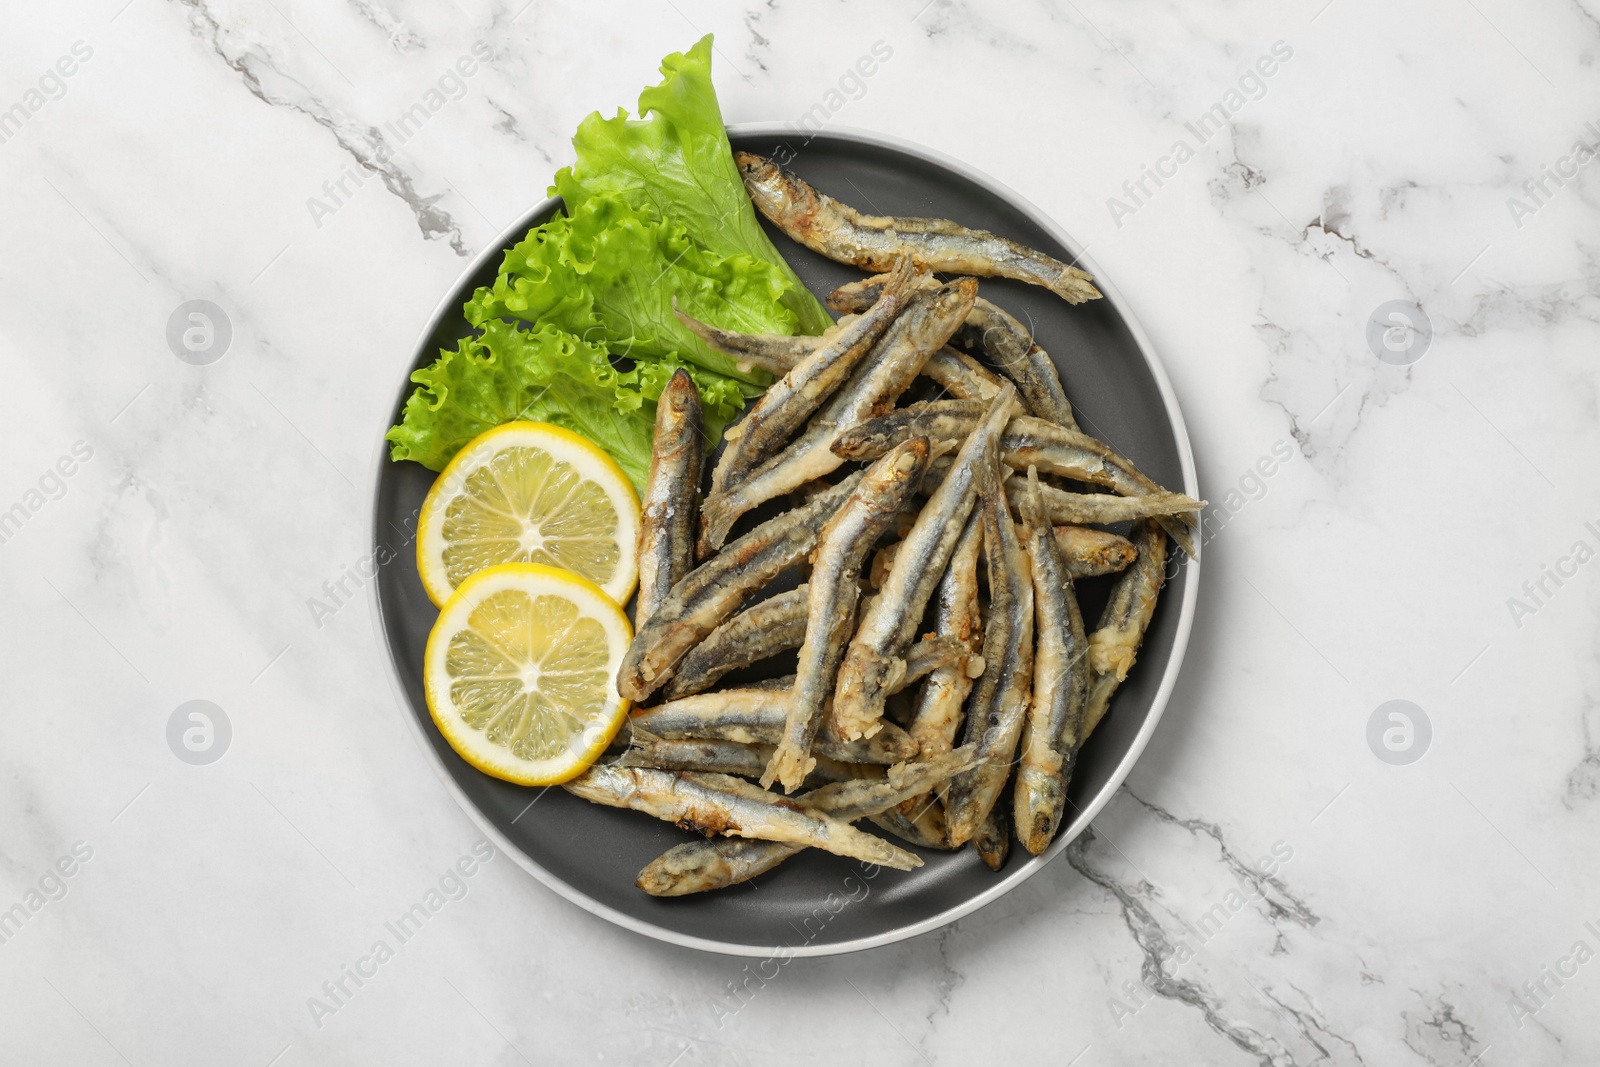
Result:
817,904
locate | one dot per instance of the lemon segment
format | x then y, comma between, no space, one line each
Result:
530,492
520,672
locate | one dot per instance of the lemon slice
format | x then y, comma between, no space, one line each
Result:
520,672
530,492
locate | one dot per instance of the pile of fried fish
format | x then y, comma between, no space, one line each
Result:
967,509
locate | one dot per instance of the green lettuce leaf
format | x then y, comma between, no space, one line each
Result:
655,211
546,375
676,158
609,272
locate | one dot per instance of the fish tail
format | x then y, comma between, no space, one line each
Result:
788,767
717,516
1178,530
1075,286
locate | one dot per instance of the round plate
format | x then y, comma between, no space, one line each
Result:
817,904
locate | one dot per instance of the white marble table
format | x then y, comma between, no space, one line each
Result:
1422,913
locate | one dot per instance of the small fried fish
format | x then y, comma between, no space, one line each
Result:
1115,642
721,804
772,626
831,600
874,658
698,866
671,493
871,390
1054,730
715,589
999,704
780,412
757,715
873,242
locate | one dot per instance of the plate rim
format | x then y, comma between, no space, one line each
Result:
1020,872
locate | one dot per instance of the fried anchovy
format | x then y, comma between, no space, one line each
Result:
1000,698
667,526
878,573
872,242
1101,508
771,685
992,842
870,391
1010,347
853,297
697,866
1088,553
757,716
725,757
775,625
938,420
960,375
789,401
933,652
1030,441
721,804
714,590
995,332
775,352
919,821
874,658
1070,454
1115,642
1076,509
1054,730
831,600
937,715
951,369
